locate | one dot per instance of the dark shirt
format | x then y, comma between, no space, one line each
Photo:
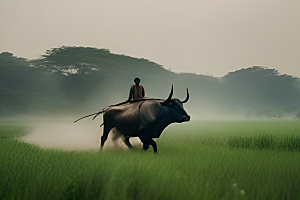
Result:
136,92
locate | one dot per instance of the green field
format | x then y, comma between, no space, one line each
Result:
196,160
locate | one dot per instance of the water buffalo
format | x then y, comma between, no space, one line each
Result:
144,118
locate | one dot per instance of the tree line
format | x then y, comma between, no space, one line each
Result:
69,80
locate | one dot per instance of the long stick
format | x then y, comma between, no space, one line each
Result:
104,109
86,116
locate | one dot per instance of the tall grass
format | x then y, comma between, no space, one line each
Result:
203,160
287,143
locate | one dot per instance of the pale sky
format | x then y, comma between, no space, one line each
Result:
211,37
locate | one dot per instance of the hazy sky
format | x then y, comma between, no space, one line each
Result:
202,36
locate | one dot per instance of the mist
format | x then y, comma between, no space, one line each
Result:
67,83
77,81
65,135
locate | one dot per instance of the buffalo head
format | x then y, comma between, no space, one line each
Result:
175,107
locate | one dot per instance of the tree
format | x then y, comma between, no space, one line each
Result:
24,88
261,86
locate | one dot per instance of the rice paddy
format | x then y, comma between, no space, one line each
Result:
196,160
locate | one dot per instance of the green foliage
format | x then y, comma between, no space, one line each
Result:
25,89
261,86
82,80
195,162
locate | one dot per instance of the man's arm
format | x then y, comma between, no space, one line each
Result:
130,93
143,92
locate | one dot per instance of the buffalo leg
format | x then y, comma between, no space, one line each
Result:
145,146
145,143
126,141
148,141
105,135
153,144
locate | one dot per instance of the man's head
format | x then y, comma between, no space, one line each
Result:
137,81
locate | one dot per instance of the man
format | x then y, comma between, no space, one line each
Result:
137,91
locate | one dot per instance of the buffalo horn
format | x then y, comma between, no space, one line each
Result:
171,94
187,96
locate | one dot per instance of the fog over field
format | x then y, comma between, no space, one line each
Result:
77,81
82,136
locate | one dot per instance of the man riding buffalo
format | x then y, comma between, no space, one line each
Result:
142,117
137,91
